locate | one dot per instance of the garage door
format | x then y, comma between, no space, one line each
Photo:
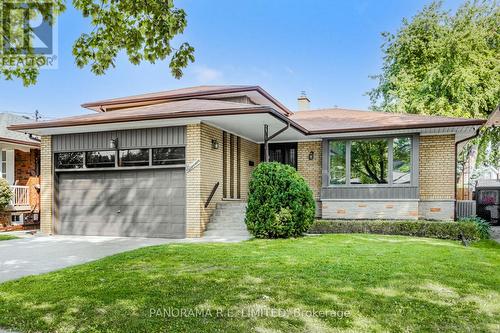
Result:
146,203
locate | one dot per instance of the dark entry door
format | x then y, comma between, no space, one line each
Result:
285,153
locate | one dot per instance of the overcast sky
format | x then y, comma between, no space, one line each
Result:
326,48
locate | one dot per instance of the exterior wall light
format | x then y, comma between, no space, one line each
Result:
215,144
311,156
113,143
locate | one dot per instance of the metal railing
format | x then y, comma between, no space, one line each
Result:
211,195
20,195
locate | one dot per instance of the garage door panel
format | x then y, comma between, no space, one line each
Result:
75,197
169,196
137,196
147,203
126,229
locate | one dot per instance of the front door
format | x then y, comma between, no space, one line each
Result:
285,153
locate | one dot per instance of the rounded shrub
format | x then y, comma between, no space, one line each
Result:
5,194
280,203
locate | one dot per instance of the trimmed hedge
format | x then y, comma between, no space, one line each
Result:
442,230
280,203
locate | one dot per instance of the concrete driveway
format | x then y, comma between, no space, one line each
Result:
41,254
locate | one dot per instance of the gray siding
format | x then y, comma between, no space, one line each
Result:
375,192
138,138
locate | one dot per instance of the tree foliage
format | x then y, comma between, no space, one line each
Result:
440,63
447,64
143,30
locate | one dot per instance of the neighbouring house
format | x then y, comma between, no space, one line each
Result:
157,164
470,172
20,166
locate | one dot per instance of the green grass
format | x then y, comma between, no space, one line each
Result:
7,237
384,283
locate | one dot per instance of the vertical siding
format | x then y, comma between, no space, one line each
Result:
149,137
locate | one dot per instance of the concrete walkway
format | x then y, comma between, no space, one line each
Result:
34,254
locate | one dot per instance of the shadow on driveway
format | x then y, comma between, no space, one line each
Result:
41,254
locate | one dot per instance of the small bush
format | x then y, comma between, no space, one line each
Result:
483,227
5,194
442,230
280,203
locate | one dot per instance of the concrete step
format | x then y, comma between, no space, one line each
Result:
231,204
236,217
225,233
226,226
223,211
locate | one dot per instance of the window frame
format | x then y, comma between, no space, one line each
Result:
117,154
414,151
85,157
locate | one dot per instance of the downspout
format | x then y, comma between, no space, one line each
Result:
456,164
267,138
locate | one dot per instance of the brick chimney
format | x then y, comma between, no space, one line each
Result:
303,101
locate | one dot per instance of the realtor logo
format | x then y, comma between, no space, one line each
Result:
28,34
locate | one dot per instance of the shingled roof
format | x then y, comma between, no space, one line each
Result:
6,135
337,120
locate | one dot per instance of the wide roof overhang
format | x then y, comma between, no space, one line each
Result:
245,120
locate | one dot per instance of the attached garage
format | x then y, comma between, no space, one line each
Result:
121,183
145,203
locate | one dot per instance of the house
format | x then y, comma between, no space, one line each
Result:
157,164
20,166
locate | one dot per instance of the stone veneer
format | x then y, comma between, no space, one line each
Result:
46,185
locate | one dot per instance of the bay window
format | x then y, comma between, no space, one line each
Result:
377,161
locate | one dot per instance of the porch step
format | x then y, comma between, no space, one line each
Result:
228,221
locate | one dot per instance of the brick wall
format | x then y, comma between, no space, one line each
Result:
193,181
25,165
46,184
437,167
201,180
211,170
310,169
25,173
249,151
437,177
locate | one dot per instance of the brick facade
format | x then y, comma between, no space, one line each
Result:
25,173
201,180
211,171
437,177
437,167
47,186
310,169
249,152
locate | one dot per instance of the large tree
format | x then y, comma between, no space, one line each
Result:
142,29
444,63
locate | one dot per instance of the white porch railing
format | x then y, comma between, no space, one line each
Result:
20,196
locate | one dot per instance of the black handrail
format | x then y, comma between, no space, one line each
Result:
211,194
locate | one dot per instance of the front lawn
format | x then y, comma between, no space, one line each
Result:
7,237
314,284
